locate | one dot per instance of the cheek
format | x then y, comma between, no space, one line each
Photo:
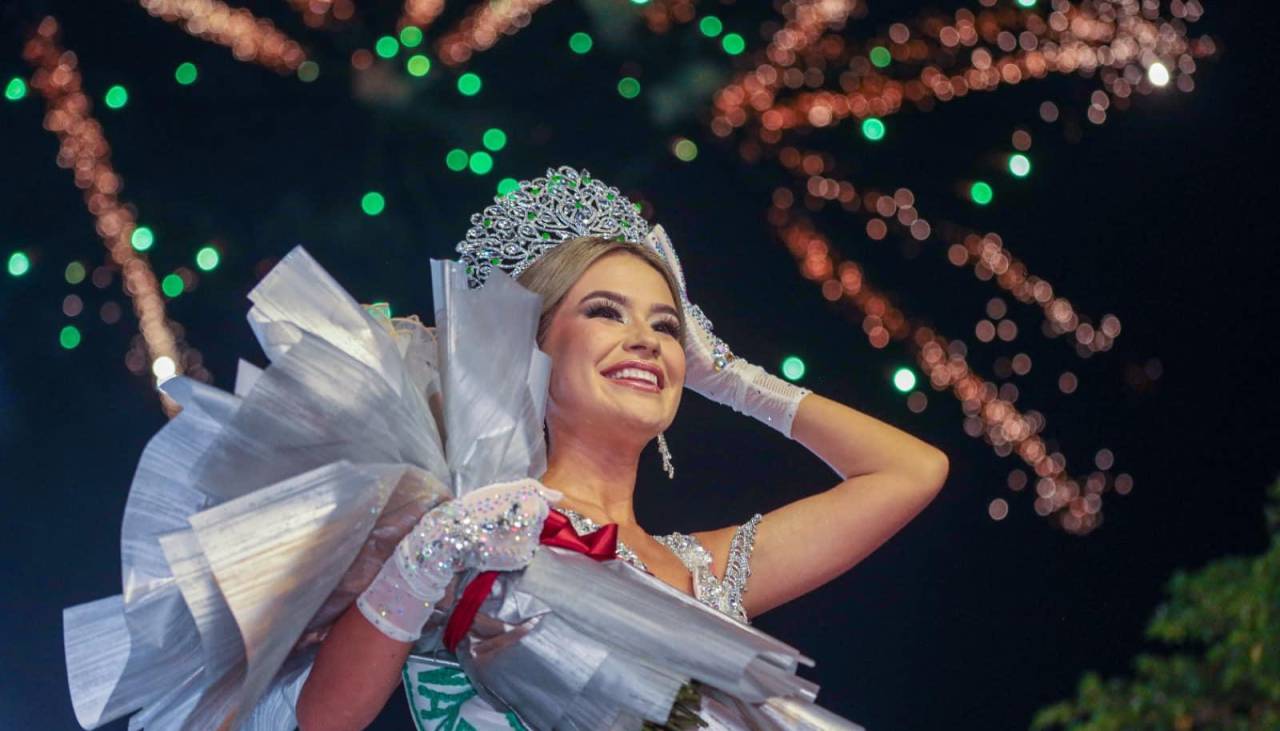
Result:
573,357
677,365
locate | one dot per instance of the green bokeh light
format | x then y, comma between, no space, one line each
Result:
116,97
506,185
981,193
639,2
580,42
15,89
733,44
308,71
379,309
69,337
418,65
873,129
186,73
495,139
142,238
629,87
880,57
904,379
481,162
469,84
711,26
686,150
172,285
1026,3
207,258
411,36
19,263
387,47
372,203
1019,165
74,273
456,160
792,368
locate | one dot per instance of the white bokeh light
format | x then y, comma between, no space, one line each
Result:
1159,74
163,368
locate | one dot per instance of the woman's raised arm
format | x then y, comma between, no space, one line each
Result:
890,476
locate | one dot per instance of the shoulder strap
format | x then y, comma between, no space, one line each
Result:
738,566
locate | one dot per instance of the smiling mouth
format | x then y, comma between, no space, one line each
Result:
637,378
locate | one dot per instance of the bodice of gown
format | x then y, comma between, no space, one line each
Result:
723,595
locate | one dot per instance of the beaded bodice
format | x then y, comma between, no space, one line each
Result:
722,595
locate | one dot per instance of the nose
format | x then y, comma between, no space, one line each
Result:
643,338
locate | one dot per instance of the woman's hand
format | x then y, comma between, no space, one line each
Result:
712,369
493,528
358,665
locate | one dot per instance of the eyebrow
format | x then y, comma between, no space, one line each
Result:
623,300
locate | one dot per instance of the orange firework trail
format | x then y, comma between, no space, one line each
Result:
250,38
84,150
986,253
1074,505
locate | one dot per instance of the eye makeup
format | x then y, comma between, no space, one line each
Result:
602,307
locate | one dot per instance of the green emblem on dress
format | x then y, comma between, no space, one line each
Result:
442,698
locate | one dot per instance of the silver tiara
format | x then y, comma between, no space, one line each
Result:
539,214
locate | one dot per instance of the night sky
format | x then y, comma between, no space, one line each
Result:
1163,216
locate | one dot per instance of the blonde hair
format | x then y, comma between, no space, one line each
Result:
557,270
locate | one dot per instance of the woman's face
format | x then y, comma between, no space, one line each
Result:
616,358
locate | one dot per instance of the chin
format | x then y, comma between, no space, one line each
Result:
648,424
606,411
647,421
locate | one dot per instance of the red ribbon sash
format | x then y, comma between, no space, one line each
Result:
601,545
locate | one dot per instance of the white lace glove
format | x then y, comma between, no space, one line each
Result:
493,528
713,371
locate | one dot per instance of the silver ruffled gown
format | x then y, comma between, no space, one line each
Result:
256,517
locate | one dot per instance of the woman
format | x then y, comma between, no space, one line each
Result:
617,337
257,516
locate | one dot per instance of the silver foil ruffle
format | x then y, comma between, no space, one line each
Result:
256,517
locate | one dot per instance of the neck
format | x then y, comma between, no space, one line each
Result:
599,483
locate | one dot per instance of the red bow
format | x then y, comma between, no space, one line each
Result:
601,545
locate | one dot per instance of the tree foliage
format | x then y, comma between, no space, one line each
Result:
1221,625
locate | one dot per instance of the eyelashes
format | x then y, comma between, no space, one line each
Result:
601,309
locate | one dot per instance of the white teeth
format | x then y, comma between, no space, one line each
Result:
635,373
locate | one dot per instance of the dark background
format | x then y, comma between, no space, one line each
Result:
1164,216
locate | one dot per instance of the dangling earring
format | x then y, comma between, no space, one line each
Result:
666,457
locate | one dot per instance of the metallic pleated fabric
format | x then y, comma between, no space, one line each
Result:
256,517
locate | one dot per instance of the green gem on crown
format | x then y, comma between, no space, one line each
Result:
562,205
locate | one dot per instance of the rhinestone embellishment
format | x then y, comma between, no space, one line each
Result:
720,353
523,224
724,596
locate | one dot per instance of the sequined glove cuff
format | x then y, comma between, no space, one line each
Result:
493,528
711,368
